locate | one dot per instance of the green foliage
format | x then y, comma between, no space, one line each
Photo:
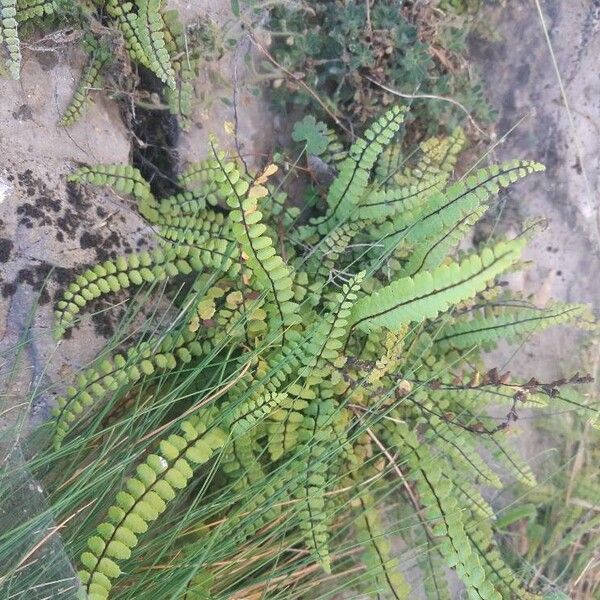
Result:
91,79
313,133
143,499
305,378
336,49
153,37
9,35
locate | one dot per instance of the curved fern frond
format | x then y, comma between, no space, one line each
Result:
251,411
316,431
497,571
260,254
444,210
387,202
427,294
377,556
329,251
32,9
119,371
439,157
432,251
112,276
125,16
194,229
347,188
9,36
123,179
145,497
150,28
185,63
91,79
445,517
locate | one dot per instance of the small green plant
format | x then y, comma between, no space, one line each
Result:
153,39
310,373
340,52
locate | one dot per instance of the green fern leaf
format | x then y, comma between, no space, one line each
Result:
9,36
91,79
124,179
145,497
427,294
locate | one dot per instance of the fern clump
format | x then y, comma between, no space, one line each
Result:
348,356
153,37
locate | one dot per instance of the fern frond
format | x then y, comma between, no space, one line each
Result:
123,179
511,325
445,517
145,497
349,185
150,28
444,210
9,36
387,202
125,17
194,229
119,371
316,431
506,455
112,276
439,157
33,9
427,294
261,256
251,411
504,579
377,555
185,62
92,76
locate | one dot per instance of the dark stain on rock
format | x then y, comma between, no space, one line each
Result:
33,213
75,196
24,113
88,240
48,60
42,277
25,276
68,222
8,290
523,74
6,247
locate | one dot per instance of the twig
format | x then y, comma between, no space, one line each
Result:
428,97
301,83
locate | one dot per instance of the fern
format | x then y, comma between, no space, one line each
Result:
123,179
91,79
10,37
144,498
428,294
150,30
352,351
377,555
32,9
485,331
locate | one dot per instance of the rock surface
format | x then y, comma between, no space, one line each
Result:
523,85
